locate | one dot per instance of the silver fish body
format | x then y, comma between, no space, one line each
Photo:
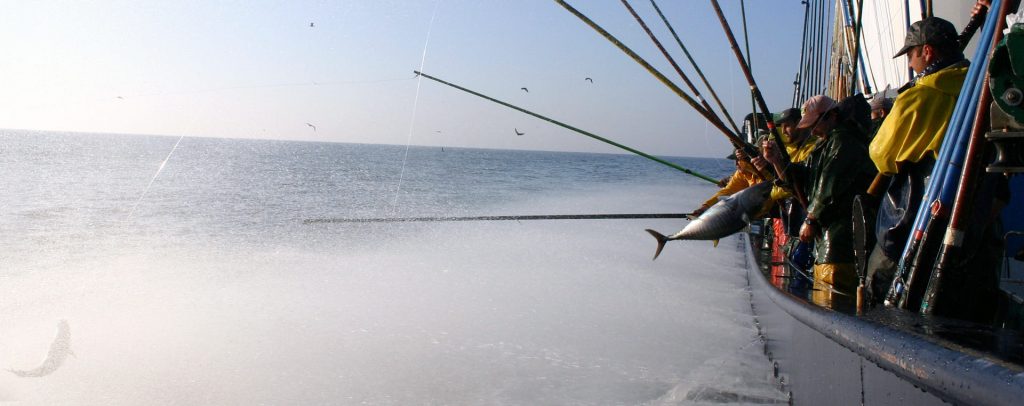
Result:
725,218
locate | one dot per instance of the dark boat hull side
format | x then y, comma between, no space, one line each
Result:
827,357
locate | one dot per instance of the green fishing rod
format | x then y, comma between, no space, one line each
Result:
734,138
500,218
569,127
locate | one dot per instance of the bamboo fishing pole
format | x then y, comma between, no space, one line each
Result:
499,218
952,244
769,120
856,49
696,68
569,127
672,62
746,72
733,137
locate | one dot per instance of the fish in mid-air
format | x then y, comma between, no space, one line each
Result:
59,351
726,217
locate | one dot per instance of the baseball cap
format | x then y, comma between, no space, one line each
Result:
814,108
932,30
786,115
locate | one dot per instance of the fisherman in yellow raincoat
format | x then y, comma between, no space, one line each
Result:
744,177
907,143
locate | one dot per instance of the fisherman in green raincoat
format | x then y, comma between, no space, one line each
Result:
838,169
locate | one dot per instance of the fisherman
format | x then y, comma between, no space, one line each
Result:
907,143
880,108
837,170
744,177
799,145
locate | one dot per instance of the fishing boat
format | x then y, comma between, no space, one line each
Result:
826,347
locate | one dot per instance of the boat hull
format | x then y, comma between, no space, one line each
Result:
830,357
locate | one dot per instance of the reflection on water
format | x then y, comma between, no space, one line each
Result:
214,292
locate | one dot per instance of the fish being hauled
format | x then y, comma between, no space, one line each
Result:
59,351
726,217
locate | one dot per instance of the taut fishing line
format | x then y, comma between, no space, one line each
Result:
415,104
155,175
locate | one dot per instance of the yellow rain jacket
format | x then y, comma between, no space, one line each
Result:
918,120
743,178
797,154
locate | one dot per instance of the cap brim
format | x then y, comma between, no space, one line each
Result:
807,121
903,50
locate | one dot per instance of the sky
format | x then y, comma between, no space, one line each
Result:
264,69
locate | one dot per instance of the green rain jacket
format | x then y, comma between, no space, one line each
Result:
838,169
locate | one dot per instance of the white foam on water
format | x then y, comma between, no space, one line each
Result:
531,312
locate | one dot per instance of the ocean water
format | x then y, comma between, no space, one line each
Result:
202,285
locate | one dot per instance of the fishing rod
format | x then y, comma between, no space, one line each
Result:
905,291
802,67
759,99
672,62
750,79
500,218
696,68
750,62
972,26
569,127
733,137
951,250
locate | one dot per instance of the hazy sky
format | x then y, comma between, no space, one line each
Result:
257,69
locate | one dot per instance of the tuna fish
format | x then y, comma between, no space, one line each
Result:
726,217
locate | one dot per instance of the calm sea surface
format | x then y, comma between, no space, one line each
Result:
197,282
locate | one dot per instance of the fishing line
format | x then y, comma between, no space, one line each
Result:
269,86
158,170
415,104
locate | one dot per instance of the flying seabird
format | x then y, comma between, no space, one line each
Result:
311,25
525,89
589,80
517,131
312,126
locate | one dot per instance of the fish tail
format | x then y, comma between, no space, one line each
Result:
661,242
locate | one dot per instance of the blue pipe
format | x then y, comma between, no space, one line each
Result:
953,149
953,145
